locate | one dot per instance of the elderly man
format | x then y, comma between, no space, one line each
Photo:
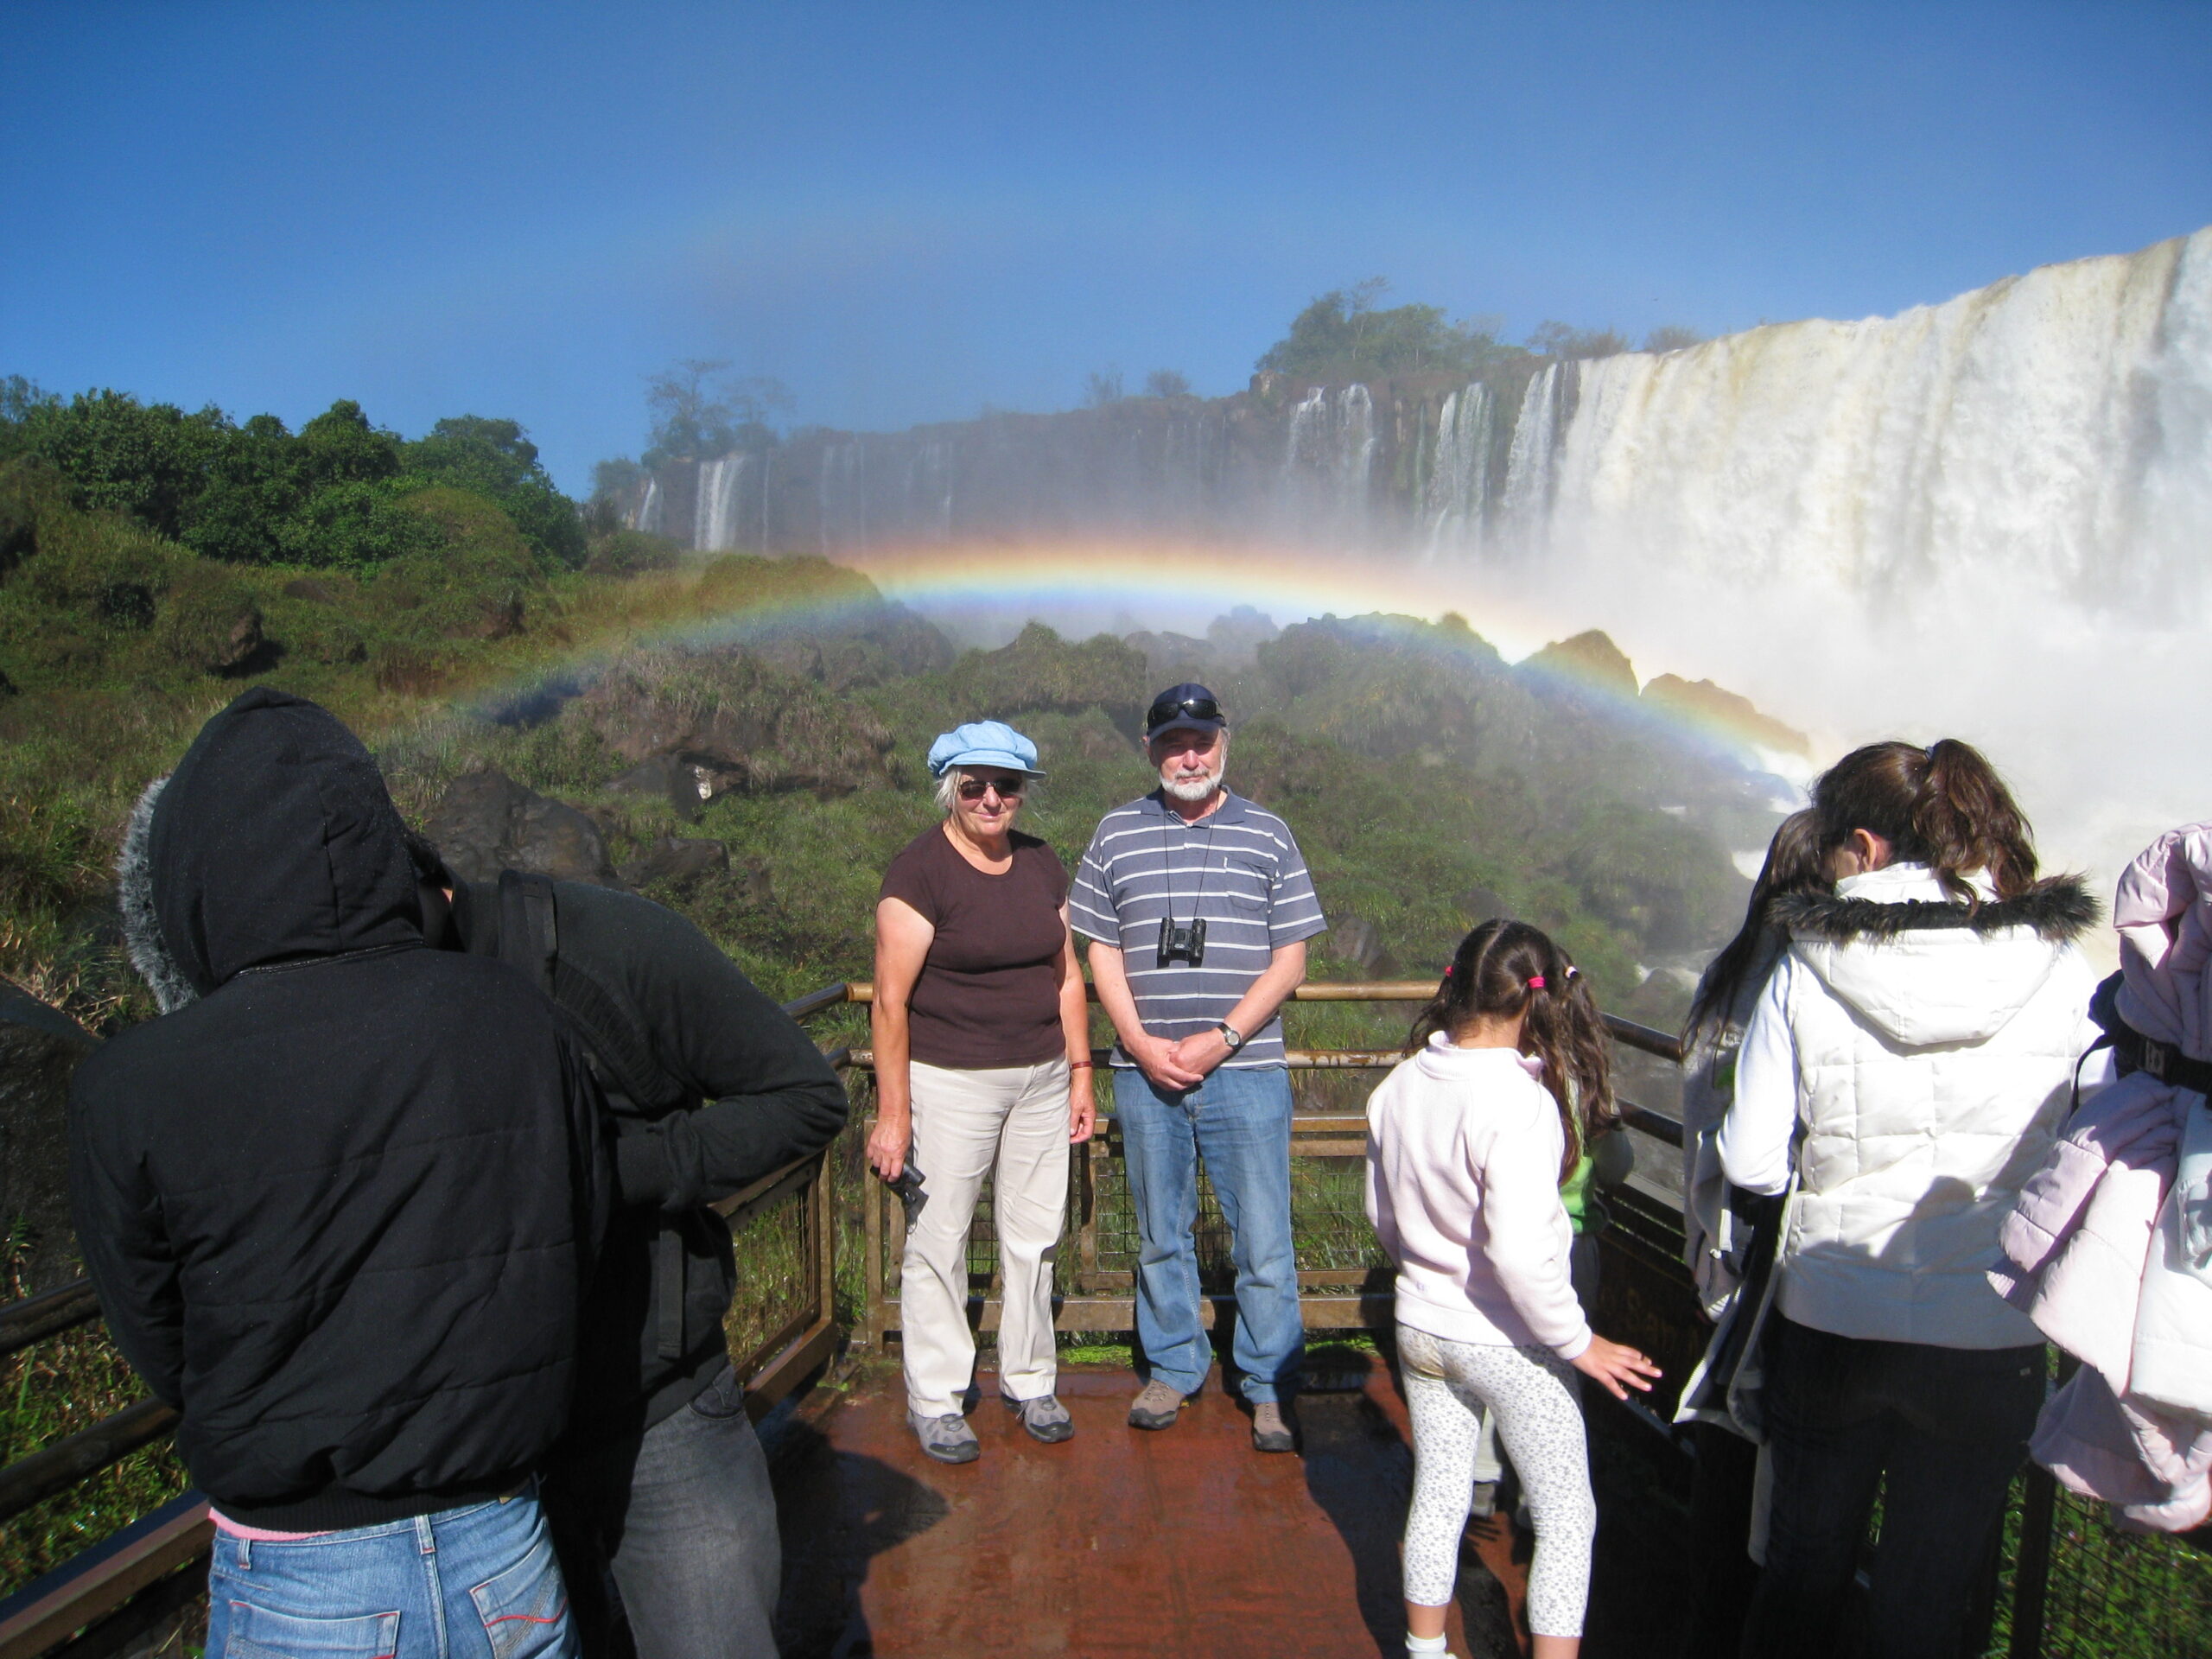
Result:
1197,906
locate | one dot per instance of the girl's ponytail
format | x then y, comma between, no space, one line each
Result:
1966,820
1504,968
1944,806
1565,1030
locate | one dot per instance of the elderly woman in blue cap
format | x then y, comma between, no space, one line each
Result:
982,1067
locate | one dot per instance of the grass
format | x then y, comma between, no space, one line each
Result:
48,1391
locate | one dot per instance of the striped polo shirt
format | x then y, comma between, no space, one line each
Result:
1238,868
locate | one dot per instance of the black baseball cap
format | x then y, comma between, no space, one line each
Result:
1189,705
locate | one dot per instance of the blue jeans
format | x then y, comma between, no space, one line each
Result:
683,1516
473,1583
1239,1123
1940,1431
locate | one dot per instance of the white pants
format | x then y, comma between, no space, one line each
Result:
1533,1394
1010,1124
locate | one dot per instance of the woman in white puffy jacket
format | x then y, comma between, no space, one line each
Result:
1910,1061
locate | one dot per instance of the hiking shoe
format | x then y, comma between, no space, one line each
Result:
948,1439
1155,1407
1270,1433
1044,1417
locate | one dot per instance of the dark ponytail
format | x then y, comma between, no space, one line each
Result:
1504,968
1944,806
1794,864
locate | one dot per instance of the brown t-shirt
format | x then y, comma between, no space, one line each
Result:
989,990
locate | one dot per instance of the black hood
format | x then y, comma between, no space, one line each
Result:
273,841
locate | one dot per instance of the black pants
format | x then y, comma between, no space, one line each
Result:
1939,1433
1722,1574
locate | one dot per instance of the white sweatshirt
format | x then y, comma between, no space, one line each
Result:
1463,1153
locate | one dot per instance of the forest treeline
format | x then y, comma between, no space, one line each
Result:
333,495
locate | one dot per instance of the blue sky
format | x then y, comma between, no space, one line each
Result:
909,213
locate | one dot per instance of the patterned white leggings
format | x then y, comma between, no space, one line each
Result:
1532,1393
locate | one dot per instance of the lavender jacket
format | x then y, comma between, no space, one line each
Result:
2107,1248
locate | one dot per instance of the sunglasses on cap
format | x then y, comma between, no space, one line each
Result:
1009,789
1192,708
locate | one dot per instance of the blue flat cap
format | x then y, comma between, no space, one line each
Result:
984,743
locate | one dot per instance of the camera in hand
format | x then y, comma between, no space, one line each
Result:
1186,944
908,1186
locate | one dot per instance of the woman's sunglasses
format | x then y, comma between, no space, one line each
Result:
1009,789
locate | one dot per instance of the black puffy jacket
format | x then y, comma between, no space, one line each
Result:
711,1086
340,1204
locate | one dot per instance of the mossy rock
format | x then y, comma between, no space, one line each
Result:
210,622
314,631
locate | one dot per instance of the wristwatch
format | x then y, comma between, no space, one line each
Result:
1230,1035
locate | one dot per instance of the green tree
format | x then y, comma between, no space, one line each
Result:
1102,387
496,458
253,484
354,525
700,411
339,446
1345,336
1554,338
147,460
1672,337
1166,383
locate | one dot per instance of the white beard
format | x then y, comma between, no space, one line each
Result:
1195,789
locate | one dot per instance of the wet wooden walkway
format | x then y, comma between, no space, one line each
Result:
1119,1542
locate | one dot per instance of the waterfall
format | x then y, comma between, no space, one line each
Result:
650,512
1532,463
722,484
2051,434
1329,461
1457,489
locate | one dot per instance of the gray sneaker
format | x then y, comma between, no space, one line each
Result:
1270,1431
1155,1407
948,1439
1044,1417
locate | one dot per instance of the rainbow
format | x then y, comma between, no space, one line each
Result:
1089,583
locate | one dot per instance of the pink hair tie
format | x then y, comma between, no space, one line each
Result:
1536,982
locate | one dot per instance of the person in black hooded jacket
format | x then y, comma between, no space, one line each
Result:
661,1481
341,1202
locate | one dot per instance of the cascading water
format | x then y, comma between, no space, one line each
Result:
2045,435
1457,491
722,484
1329,462
1531,463
1989,517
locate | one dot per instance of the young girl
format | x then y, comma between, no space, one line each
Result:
1468,1142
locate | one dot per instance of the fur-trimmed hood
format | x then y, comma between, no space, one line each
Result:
2061,910
273,841
1924,970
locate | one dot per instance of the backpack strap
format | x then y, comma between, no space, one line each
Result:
2136,1052
530,938
530,927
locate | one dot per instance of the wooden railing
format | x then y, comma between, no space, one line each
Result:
126,1584
1100,1299
94,1603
